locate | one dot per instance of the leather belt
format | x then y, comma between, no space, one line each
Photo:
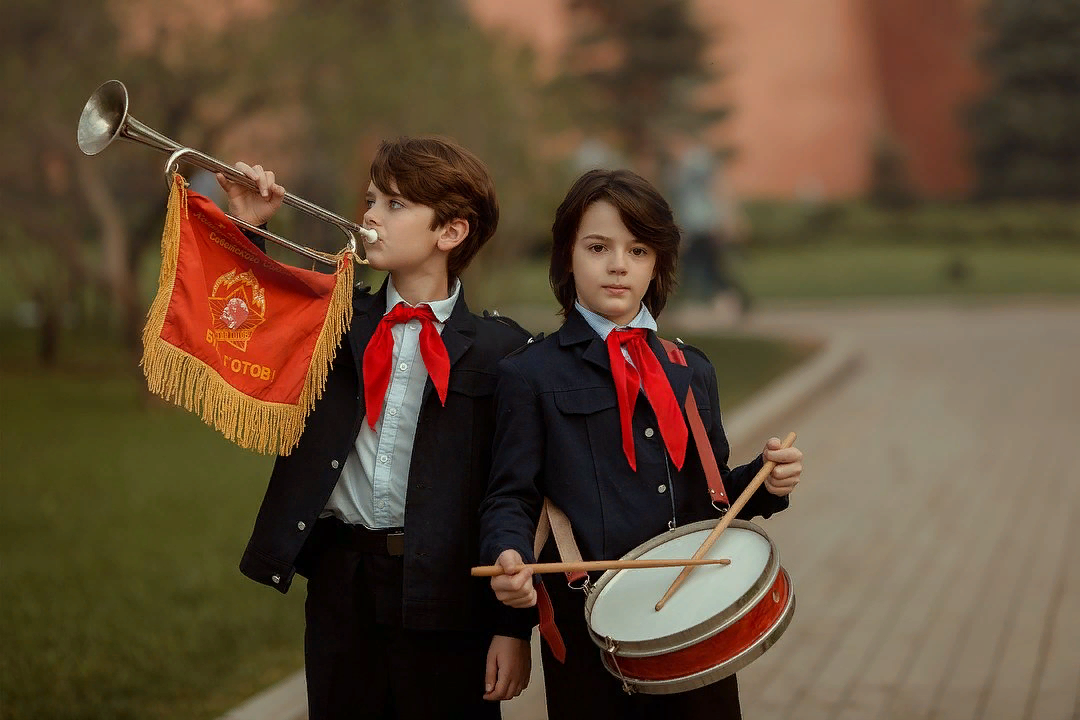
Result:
381,541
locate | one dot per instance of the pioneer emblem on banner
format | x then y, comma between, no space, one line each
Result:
237,309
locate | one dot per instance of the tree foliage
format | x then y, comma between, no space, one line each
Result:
79,227
309,87
1025,127
376,70
641,66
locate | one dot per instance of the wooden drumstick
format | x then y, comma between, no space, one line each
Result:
725,521
588,565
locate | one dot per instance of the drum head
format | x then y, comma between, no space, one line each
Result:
713,596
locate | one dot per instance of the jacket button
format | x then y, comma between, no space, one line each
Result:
649,432
275,579
300,525
334,464
661,489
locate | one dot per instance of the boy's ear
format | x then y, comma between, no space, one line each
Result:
453,234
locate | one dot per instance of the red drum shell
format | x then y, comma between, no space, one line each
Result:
727,642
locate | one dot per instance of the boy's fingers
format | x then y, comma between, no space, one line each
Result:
510,561
521,601
491,671
787,455
514,598
493,680
512,582
775,484
260,181
522,579
778,490
781,472
502,685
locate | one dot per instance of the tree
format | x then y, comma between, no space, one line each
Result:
373,70
79,229
1025,126
81,226
640,66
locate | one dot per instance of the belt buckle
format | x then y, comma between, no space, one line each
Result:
395,544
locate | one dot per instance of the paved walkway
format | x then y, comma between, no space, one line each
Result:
933,541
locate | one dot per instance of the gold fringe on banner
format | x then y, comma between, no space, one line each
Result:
184,380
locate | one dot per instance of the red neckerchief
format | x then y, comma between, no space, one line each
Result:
379,356
646,373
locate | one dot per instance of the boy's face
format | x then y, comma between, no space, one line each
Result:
612,269
406,241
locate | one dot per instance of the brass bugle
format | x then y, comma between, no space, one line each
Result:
105,118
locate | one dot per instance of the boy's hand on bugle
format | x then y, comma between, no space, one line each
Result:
515,586
254,207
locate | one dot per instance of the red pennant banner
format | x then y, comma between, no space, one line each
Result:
236,337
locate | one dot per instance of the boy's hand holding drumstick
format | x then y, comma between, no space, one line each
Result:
516,589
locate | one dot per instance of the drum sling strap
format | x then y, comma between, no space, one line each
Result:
553,521
708,461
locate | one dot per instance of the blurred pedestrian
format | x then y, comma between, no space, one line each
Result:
708,215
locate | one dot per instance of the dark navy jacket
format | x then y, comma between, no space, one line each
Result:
558,436
448,473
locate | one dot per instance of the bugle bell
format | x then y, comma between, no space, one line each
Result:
105,118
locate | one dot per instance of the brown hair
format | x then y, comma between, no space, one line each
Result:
646,215
449,179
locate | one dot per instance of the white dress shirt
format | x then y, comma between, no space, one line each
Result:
371,489
603,326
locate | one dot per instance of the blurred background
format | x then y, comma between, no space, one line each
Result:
821,157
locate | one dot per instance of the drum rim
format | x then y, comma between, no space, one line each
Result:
718,672
703,630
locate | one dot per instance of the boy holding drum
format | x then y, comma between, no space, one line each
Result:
571,427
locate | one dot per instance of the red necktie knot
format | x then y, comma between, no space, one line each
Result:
646,373
627,335
379,356
402,313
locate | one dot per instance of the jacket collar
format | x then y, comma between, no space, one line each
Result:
576,331
368,309
458,332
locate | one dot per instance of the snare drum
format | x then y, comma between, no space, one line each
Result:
720,619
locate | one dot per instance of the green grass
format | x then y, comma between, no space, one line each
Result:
121,524
860,223
121,532
744,364
839,271
850,272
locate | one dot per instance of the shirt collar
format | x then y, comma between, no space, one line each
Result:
603,326
441,308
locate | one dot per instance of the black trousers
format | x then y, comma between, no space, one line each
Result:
361,664
582,688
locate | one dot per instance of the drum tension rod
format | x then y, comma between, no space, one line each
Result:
612,648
